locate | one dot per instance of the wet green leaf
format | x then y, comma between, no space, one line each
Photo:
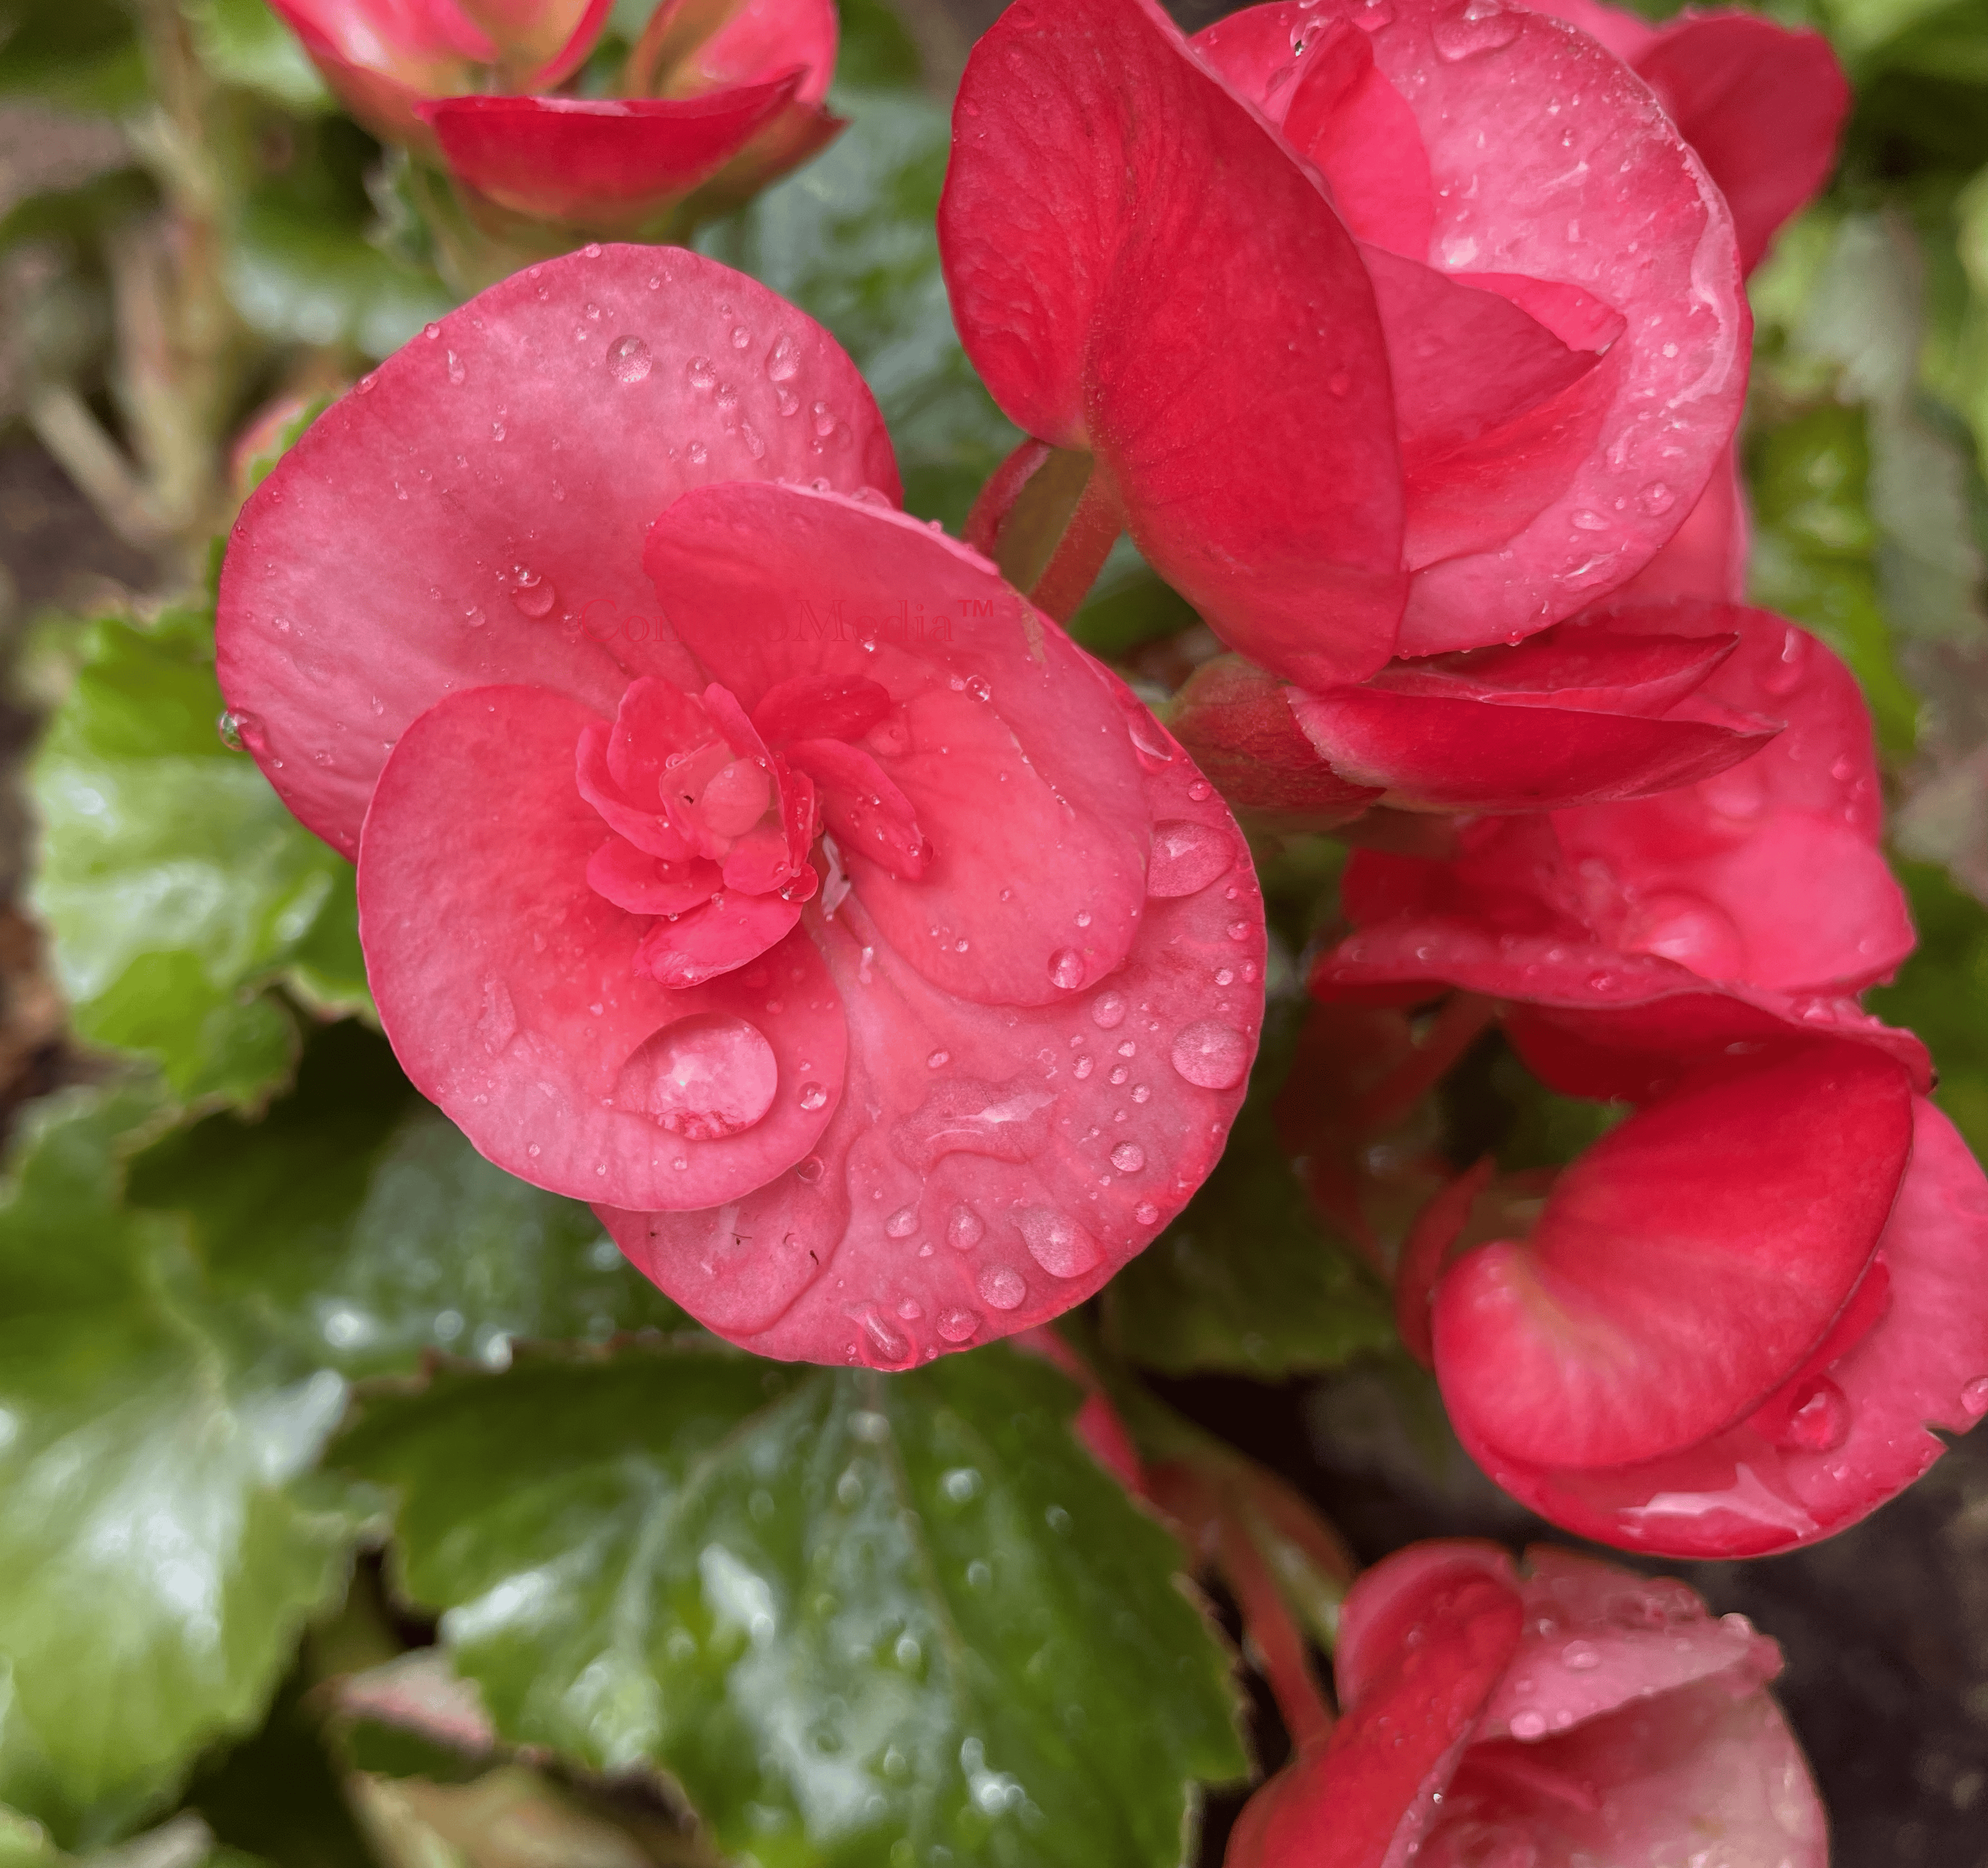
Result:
862,1619
174,884
851,239
356,1228
162,1535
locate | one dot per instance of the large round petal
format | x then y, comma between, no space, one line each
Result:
1010,744
472,513
692,46
1550,163
509,989
1138,267
990,1166
1683,1266
1924,1365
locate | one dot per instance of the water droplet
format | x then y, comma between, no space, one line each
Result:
237,730
474,616
1211,1055
1107,1010
886,1344
958,1325
784,361
1001,1287
1974,1397
812,1098
809,1170
1146,1213
902,1224
964,1230
1200,791
1056,1243
1067,969
629,360
1186,857
938,1060
532,595
1819,1422
592,249
1579,1656
701,374
704,1077
1587,521
498,1023
1783,675
456,371
741,337
1656,498
1529,1724
1128,1157
699,453
824,420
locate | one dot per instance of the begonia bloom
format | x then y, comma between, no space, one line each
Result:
1766,879
715,100
1734,1319
1393,331
735,852
1566,1713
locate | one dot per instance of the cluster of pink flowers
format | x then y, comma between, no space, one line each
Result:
712,103
886,989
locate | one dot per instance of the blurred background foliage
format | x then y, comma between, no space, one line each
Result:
358,1504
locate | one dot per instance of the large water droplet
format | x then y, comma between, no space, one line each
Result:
1146,1213
1128,1157
958,1325
1819,1422
703,1076
1067,969
1187,856
1107,1010
1211,1055
1478,26
1783,674
1056,1243
784,361
629,360
902,1224
1001,1287
963,1231
1579,1656
1530,1724
532,595
239,731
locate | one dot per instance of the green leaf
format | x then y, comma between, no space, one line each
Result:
80,54
1246,1281
358,1230
851,239
297,276
174,884
1940,992
162,1536
243,43
861,1619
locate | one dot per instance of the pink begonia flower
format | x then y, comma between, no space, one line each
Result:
1394,330
719,98
735,852
1766,879
1571,1713
1731,1325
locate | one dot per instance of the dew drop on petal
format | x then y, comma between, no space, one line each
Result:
704,1077
532,595
1107,1010
1974,1396
812,1097
958,1325
1146,1213
1001,1287
785,359
1529,1724
1056,1243
456,371
902,1224
1128,1157
1187,856
1067,969
629,360
963,1230
1211,1055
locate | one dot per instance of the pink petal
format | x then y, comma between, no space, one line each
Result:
1923,1365
1013,753
692,46
1683,1266
1366,1798
603,163
1099,172
508,987
632,878
371,573
1648,1783
864,810
726,933
819,707
1707,556
541,42
1625,34
417,42
1762,105
1653,241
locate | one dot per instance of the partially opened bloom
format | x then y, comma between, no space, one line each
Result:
735,852
715,99
1562,1713
1726,1327
1763,885
1395,330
